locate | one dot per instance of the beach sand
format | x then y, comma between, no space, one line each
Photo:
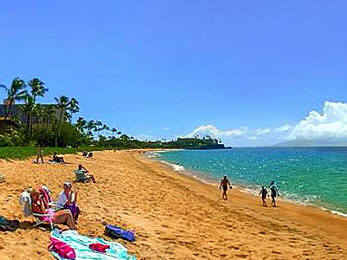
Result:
174,216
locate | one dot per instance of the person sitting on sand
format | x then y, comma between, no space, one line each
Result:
274,193
87,154
263,194
68,200
86,172
225,184
57,217
57,158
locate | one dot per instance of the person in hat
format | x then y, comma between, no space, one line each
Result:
63,216
68,200
225,185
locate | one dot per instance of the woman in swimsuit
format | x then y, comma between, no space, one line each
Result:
57,217
225,184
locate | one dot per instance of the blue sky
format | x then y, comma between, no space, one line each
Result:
164,68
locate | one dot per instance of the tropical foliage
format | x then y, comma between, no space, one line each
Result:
52,124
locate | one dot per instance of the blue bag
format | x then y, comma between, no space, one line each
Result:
117,232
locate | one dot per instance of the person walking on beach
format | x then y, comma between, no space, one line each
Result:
263,194
274,193
225,185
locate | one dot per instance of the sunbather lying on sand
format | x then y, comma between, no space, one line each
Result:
57,217
57,158
87,154
68,200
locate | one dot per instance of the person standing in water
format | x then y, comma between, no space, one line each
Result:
225,185
274,193
263,194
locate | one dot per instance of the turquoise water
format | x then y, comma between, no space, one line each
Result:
315,176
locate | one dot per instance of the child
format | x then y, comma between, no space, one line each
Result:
263,193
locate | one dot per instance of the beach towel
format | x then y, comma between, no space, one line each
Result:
46,195
81,245
25,200
118,232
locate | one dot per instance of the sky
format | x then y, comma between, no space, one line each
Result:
253,73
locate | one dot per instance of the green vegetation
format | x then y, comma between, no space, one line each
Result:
31,124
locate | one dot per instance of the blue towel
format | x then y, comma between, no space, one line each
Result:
81,246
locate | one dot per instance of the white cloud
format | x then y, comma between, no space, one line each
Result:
330,124
262,131
144,137
283,128
215,132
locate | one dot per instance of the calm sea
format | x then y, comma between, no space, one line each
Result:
316,176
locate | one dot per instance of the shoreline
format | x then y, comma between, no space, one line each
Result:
246,189
174,216
311,218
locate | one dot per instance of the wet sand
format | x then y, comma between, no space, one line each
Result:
174,216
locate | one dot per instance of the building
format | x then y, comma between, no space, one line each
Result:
17,115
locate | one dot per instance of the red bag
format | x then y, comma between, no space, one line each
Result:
99,247
61,248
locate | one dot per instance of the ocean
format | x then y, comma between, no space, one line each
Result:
311,176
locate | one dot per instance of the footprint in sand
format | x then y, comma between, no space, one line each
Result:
242,256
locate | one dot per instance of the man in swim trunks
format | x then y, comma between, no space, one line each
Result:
274,193
225,184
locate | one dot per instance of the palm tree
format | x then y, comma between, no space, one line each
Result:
49,112
15,92
65,105
28,109
37,88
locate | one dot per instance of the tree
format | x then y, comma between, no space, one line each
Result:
37,88
65,105
15,92
28,109
49,114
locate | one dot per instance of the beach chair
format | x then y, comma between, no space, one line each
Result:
39,222
82,176
25,200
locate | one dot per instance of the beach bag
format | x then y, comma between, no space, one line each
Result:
99,247
8,225
62,249
117,232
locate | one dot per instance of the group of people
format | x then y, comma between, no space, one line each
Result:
225,184
273,191
65,210
57,158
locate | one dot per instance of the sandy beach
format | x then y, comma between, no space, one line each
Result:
174,216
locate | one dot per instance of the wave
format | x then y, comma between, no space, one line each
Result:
175,167
307,200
